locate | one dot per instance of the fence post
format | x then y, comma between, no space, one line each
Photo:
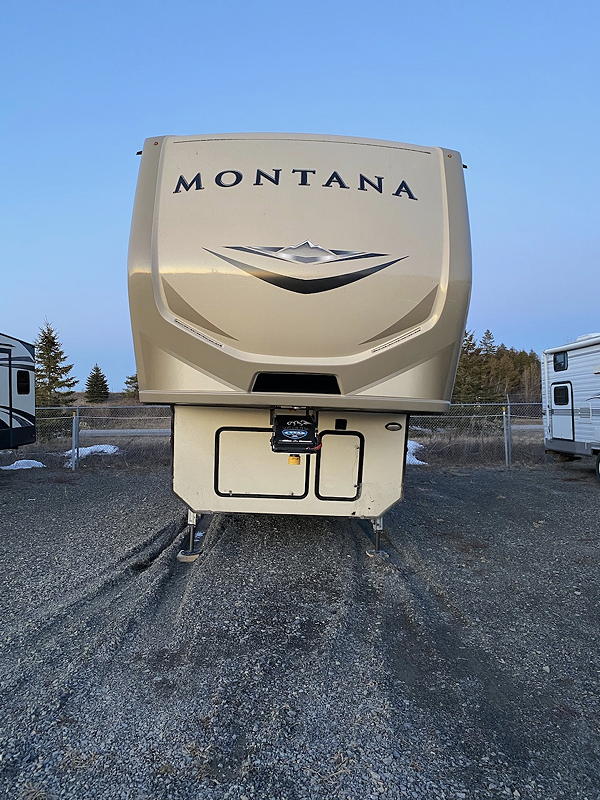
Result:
75,440
507,436
509,422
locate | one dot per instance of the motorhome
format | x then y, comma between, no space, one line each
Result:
17,393
571,398
295,298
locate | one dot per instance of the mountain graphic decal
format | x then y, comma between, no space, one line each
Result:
306,253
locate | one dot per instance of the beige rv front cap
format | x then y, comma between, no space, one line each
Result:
232,211
303,252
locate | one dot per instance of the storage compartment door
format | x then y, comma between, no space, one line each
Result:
339,465
245,466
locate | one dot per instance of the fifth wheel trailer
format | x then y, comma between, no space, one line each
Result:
571,398
17,393
295,298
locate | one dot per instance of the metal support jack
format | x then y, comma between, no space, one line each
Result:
377,524
192,551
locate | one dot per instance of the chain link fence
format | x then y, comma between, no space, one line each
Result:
481,434
76,437
134,436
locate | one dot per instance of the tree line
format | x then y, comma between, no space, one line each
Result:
54,381
487,372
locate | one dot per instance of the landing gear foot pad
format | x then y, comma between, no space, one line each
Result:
186,557
372,553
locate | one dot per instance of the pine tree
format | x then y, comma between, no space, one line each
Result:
132,388
53,382
487,343
489,351
467,388
96,386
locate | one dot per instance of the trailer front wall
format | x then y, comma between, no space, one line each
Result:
223,461
256,255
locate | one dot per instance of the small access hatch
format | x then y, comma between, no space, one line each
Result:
339,465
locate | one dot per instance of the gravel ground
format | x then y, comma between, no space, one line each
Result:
285,664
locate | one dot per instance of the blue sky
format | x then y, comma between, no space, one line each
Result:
513,86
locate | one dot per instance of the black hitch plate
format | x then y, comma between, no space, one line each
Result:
294,434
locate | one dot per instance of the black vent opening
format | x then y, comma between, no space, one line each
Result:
295,383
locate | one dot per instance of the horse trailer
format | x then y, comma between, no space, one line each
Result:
17,393
295,298
571,398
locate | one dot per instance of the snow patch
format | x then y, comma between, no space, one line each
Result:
411,449
24,463
93,450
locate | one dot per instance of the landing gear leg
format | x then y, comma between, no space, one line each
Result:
377,524
192,551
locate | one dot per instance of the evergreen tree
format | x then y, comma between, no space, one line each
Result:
487,344
96,386
468,375
488,350
53,382
132,388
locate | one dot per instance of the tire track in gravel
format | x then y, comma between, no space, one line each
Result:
435,664
60,638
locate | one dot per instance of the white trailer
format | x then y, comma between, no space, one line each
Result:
571,398
294,298
17,392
